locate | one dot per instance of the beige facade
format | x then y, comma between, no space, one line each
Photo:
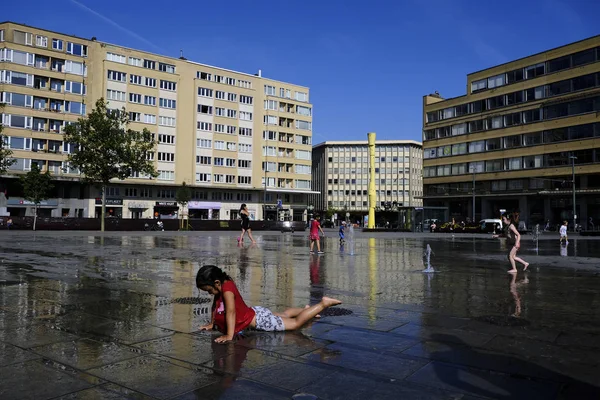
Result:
220,131
510,140
341,175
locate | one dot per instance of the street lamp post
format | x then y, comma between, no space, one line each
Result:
473,169
573,158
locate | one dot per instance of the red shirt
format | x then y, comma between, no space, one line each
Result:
314,227
243,314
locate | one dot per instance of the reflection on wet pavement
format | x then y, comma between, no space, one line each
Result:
116,316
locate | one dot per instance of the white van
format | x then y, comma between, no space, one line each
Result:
491,225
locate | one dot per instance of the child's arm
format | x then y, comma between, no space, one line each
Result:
321,229
211,325
229,300
517,236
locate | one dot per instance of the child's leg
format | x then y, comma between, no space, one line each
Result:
525,263
293,312
511,258
242,235
250,235
318,244
312,244
308,313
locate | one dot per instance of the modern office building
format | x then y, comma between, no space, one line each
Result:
517,137
340,173
233,137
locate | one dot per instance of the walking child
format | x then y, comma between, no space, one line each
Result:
513,238
341,232
315,227
231,315
563,233
245,215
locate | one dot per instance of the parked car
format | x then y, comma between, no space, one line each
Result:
491,225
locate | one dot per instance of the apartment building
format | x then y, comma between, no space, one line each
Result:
232,137
517,137
340,171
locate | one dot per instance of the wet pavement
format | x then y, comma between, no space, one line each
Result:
114,316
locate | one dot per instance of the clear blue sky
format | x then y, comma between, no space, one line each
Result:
367,63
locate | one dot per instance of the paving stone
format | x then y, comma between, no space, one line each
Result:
36,380
155,377
443,335
482,383
86,353
291,344
10,354
370,340
289,375
349,386
129,332
237,389
32,335
243,361
391,366
189,348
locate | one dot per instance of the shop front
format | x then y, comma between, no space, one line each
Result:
166,210
114,208
137,209
204,210
24,208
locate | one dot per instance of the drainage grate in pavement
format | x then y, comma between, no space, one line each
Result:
335,312
191,300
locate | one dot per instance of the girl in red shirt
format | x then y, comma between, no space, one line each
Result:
231,315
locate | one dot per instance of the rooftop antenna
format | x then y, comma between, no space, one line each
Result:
181,57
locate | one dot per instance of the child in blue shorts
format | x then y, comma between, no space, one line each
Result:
341,232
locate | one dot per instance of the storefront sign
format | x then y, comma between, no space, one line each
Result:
137,205
110,202
19,202
166,204
204,205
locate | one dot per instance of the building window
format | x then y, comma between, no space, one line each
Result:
203,160
204,143
205,76
166,121
245,148
245,116
218,178
270,90
246,99
167,103
57,44
231,97
204,109
204,92
149,64
204,126
20,37
245,132
135,79
166,176
166,139
116,58
41,41
135,98
117,76
231,113
115,95
77,49
150,82
304,125
166,68
166,157
202,177
150,119
496,81
231,129
219,145
136,62
478,85
244,164
219,79
270,104
302,96
135,116
149,100
168,85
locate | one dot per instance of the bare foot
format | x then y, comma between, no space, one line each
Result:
512,271
525,267
316,316
330,302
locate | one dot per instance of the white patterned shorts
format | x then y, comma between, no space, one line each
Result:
267,321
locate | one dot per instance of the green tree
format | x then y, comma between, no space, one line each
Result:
5,153
36,188
108,149
183,195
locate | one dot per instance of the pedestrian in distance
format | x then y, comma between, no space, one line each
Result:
315,227
563,233
245,215
230,314
513,239
341,232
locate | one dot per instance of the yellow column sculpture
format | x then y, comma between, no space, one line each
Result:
372,196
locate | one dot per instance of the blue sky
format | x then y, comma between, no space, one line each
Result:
368,64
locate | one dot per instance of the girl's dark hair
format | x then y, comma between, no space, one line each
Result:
208,274
242,206
508,216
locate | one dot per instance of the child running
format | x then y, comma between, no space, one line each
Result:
341,232
563,233
231,315
315,227
513,237
245,215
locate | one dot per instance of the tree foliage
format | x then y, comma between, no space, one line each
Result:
5,153
36,187
107,149
183,195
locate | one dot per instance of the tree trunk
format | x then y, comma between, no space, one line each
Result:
34,215
103,213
